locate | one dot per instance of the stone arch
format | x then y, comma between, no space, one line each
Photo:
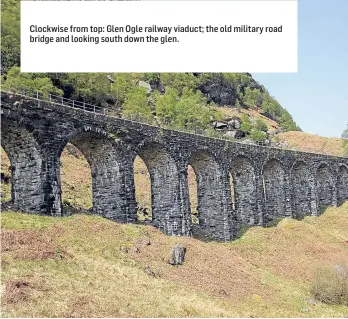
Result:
325,186
244,186
342,184
164,177
300,181
212,187
274,194
24,152
100,151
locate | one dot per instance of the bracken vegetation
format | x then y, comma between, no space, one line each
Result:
86,266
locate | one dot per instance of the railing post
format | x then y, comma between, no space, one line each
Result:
84,106
94,108
73,103
37,94
62,101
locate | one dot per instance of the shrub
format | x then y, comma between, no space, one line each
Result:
261,125
246,124
330,285
258,136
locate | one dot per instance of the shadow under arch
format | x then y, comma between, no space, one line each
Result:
325,186
300,181
100,151
27,176
212,188
273,185
244,188
164,178
342,184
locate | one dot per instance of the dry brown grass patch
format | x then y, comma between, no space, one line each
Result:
84,306
32,244
17,290
21,290
211,268
312,143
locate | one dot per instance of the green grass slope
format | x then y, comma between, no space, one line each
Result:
87,266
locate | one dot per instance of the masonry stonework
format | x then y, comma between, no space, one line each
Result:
237,185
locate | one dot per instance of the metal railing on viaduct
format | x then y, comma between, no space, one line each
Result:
237,184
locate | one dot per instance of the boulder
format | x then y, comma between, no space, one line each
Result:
234,123
149,271
235,134
177,255
145,85
222,91
219,125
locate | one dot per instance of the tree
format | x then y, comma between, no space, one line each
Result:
16,81
89,87
179,81
166,105
136,105
192,111
123,83
10,34
188,111
261,125
246,125
268,107
258,136
252,97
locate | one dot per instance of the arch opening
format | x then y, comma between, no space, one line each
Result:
301,190
25,159
108,198
192,184
164,179
76,180
273,182
243,191
233,194
142,184
325,186
342,184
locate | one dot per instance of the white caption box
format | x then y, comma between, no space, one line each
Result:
243,51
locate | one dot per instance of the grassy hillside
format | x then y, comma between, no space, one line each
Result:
86,266
312,143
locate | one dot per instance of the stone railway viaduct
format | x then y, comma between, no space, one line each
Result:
268,183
